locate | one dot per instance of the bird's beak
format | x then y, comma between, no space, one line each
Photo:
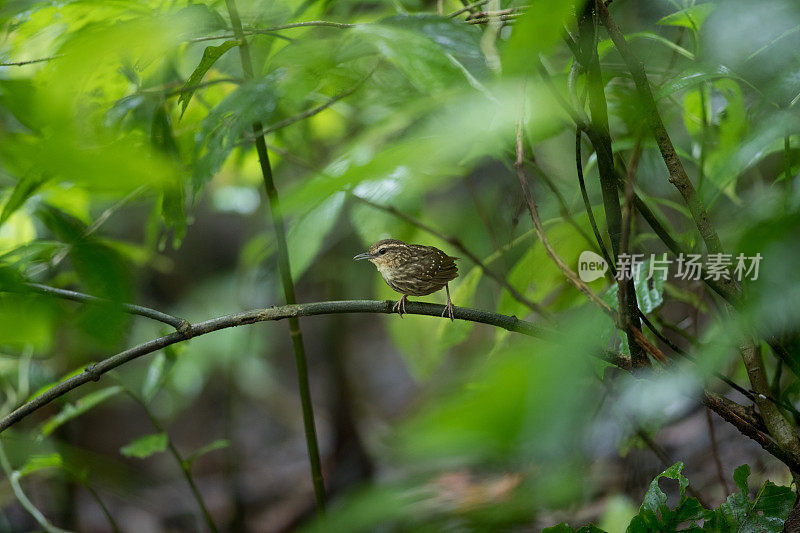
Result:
365,255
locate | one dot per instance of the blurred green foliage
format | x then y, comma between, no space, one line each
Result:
127,171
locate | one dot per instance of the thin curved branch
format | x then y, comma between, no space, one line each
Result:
309,112
93,372
467,8
178,323
28,62
270,31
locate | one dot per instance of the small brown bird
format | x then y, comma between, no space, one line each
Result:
412,269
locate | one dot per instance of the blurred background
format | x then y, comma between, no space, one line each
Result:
128,171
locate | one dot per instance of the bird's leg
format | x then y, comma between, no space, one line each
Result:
448,309
400,306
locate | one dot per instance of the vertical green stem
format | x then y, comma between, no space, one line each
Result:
703,138
184,465
600,136
286,273
13,479
103,508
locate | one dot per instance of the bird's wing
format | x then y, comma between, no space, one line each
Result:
431,264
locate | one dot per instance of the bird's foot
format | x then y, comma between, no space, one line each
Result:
448,310
400,306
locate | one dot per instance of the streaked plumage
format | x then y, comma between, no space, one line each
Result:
413,269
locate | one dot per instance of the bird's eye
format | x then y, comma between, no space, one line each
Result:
382,251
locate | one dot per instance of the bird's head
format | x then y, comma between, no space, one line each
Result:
385,253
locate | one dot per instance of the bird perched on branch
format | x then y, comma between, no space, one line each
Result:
412,270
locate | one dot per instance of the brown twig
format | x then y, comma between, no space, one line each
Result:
501,18
571,276
490,14
28,62
467,8
636,336
715,451
746,426
777,425
562,204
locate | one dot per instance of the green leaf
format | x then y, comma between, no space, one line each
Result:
225,125
45,388
210,56
27,320
649,298
766,513
461,41
208,448
416,148
418,58
689,78
740,476
729,162
655,515
691,17
145,446
41,462
606,45
306,236
24,189
541,26
73,410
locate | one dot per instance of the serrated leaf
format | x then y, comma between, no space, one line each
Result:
655,515
210,56
208,448
145,446
73,410
765,514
